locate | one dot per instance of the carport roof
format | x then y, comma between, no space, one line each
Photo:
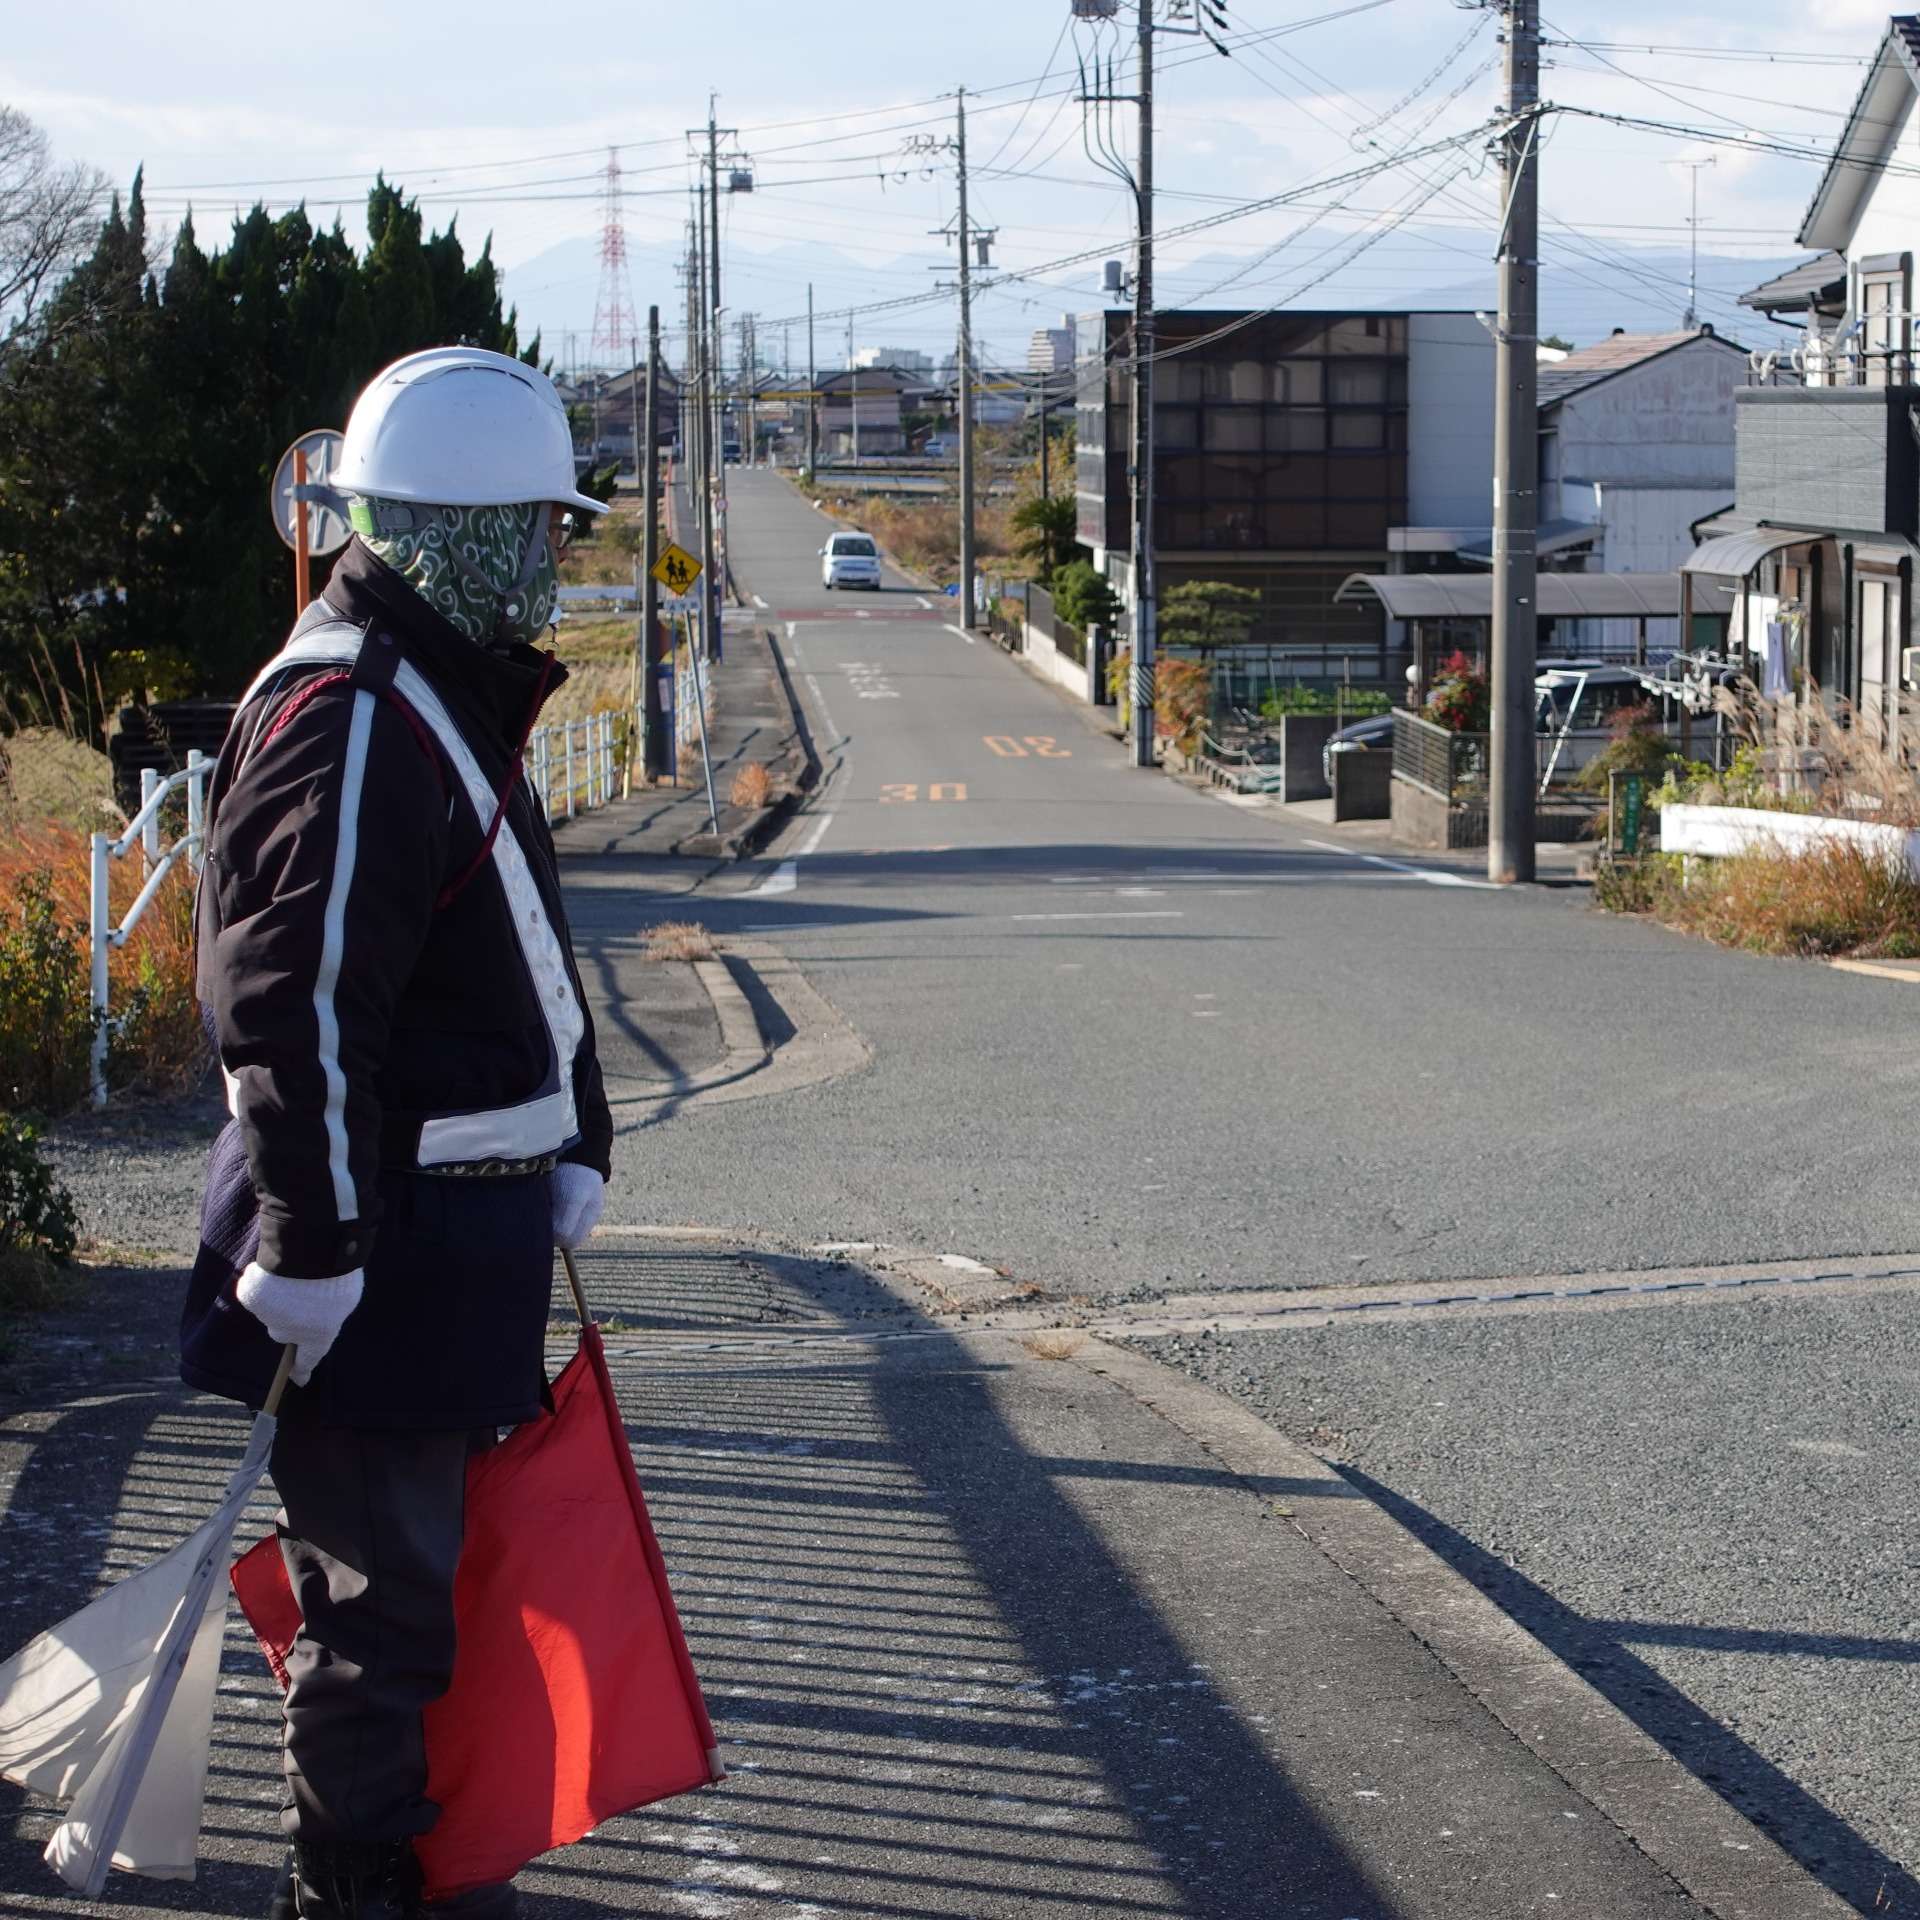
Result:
1469,596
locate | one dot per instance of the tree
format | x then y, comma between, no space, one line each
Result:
47,213
1083,598
141,418
1046,526
1206,614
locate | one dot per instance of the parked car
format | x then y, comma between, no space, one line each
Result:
1374,732
939,447
850,560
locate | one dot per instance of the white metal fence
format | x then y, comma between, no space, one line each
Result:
143,831
573,765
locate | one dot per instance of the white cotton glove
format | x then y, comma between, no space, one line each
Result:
304,1314
578,1195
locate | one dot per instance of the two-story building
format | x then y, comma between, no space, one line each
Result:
1292,450
1821,538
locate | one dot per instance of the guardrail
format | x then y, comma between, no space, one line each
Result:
143,831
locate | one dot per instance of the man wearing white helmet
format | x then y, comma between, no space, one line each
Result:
417,1115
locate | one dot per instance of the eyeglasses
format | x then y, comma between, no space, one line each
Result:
560,532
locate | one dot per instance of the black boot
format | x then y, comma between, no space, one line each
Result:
342,1880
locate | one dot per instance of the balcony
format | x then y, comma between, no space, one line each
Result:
1841,457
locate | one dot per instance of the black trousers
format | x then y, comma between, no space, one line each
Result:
370,1530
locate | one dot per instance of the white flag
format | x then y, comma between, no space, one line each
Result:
111,1712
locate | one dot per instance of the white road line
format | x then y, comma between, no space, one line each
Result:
961,631
1164,913
818,834
924,601
1428,874
783,879
758,602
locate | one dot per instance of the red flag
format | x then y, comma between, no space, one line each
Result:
573,1695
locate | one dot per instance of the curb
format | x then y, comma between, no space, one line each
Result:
1724,1862
796,775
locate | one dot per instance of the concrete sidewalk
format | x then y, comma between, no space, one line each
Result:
990,1624
756,721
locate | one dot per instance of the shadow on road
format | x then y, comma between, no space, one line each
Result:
1601,1651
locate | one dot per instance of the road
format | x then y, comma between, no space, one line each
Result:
1134,1046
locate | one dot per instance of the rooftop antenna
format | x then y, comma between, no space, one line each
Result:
1693,167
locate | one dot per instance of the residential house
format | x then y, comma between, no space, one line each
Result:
610,411
1821,537
1636,444
860,412
1294,449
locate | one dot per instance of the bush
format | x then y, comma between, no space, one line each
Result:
1356,703
1182,701
1639,745
36,1213
1083,598
38,1226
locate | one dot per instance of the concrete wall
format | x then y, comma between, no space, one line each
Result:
1047,659
1449,421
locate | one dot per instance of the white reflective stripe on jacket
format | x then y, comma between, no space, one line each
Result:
548,1121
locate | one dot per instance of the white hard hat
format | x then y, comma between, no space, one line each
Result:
461,427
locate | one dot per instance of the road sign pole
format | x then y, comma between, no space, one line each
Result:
700,718
302,563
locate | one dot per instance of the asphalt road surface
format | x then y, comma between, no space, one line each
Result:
1127,1042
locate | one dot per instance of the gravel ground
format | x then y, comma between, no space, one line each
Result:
135,1171
1704,1507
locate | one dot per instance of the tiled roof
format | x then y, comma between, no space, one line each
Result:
1799,287
1586,366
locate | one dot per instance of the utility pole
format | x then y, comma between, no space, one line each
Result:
813,398
1144,632
655,728
964,379
708,450
711,583
1516,456
853,392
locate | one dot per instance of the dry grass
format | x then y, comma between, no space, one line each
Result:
924,535
1821,756
1811,903
752,786
1054,1344
159,1045
679,940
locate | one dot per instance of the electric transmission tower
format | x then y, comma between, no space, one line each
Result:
616,329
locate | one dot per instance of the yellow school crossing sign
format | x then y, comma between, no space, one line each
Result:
676,569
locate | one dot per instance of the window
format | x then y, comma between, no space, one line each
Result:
1233,429
1299,383
1297,430
856,544
1176,427
1357,386
1367,431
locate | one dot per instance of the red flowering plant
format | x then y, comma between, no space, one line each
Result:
1460,701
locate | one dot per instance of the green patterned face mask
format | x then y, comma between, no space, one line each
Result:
469,564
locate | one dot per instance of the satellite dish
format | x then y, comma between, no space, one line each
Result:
325,507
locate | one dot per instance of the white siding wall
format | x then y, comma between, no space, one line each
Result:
1449,421
1890,221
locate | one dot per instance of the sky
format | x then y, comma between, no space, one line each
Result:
503,117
